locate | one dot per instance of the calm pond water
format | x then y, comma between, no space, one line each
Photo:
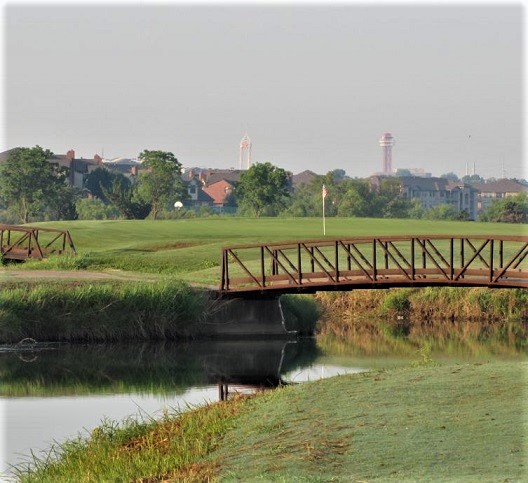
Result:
56,392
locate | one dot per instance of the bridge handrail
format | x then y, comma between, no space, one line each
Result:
27,228
465,260
384,238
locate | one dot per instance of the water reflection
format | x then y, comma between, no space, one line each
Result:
53,370
53,392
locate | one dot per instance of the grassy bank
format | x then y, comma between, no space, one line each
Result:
91,312
429,303
423,423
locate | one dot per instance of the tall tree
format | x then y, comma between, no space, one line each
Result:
101,179
263,188
159,181
32,185
122,195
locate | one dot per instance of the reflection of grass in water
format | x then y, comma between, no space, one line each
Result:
101,369
460,340
476,322
167,368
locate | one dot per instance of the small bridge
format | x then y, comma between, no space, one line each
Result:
20,242
374,263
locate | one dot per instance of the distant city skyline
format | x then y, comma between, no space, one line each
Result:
314,86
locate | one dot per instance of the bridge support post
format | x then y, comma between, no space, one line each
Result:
247,317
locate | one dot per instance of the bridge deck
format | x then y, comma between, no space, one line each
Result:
375,262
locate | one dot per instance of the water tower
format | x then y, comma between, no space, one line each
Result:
386,142
244,161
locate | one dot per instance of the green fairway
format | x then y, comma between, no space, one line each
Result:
190,248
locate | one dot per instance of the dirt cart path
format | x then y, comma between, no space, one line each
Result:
50,275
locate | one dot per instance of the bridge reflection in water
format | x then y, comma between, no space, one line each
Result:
164,368
374,262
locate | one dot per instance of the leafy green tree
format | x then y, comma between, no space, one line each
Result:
123,196
263,188
356,199
159,181
450,176
416,210
513,209
338,175
101,179
387,202
441,212
95,209
305,201
397,208
32,185
472,179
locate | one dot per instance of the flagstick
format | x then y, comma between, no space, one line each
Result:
324,220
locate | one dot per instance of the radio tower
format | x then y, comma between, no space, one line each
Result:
386,142
245,153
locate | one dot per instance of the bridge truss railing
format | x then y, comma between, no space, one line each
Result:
341,264
20,242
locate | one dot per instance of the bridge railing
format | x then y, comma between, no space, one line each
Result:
341,264
20,242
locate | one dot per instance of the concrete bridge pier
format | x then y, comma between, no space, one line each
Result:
247,317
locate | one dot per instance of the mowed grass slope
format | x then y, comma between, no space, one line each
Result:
191,248
444,423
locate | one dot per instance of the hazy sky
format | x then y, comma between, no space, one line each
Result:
315,86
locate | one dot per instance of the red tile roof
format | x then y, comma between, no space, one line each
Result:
218,191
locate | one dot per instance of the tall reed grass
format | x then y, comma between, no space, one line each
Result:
93,312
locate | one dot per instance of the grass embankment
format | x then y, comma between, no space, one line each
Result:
100,312
424,423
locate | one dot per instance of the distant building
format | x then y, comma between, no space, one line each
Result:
431,192
127,166
387,142
211,187
497,190
420,172
79,168
245,153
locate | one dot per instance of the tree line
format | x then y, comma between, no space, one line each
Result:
33,189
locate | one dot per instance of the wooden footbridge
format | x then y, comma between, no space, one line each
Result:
21,242
374,263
